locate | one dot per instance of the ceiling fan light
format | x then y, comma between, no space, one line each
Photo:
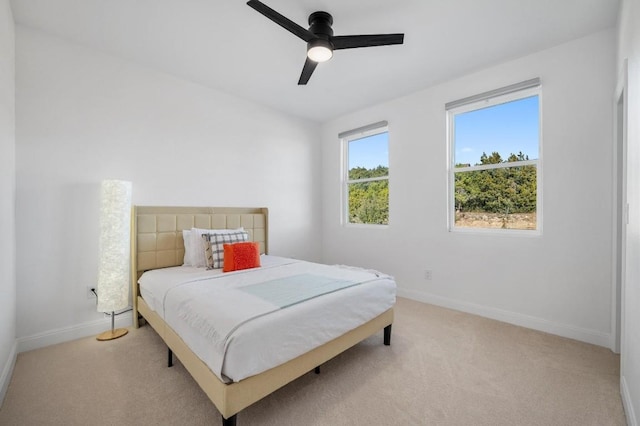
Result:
319,51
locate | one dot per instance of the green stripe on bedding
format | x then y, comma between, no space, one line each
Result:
288,291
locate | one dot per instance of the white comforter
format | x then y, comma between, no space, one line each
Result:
201,306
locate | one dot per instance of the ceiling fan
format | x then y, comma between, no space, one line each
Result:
320,39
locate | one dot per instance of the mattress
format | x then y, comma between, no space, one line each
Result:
196,304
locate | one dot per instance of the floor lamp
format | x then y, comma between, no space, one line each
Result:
113,271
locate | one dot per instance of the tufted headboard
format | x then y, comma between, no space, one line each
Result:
156,232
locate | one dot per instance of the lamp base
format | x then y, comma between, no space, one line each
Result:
112,334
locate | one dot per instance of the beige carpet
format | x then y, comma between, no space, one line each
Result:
443,368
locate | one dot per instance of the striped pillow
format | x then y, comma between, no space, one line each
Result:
214,246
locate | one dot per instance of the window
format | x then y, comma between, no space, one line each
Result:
366,175
494,168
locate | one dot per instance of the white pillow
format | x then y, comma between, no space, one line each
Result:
197,257
186,237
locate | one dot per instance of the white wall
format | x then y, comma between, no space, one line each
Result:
83,116
559,282
7,197
629,49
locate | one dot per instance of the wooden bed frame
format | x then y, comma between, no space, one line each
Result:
156,242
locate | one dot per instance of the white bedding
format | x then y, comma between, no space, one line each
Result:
262,343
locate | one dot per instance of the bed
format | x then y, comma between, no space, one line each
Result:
157,247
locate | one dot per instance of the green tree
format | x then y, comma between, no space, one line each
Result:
504,190
369,201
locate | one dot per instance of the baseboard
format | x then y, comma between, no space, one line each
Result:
7,371
74,332
629,410
564,330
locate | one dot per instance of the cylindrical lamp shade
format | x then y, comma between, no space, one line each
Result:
115,229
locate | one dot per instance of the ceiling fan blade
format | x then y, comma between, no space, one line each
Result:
351,42
283,21
307,70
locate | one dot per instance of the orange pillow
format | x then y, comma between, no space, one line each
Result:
241,256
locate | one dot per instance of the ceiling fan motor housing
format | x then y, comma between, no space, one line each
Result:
320,25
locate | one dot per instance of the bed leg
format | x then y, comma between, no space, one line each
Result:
317,370
387,335
169,357
231,421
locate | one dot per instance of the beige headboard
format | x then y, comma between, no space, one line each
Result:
156,232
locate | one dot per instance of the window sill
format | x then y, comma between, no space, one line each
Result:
497,232
364,226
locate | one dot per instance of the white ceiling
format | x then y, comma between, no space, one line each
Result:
229,46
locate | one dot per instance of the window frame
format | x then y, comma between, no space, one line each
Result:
493,98
345,138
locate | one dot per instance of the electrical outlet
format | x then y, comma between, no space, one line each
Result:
90,293
428,274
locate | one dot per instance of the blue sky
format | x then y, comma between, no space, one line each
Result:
505,128
369,152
